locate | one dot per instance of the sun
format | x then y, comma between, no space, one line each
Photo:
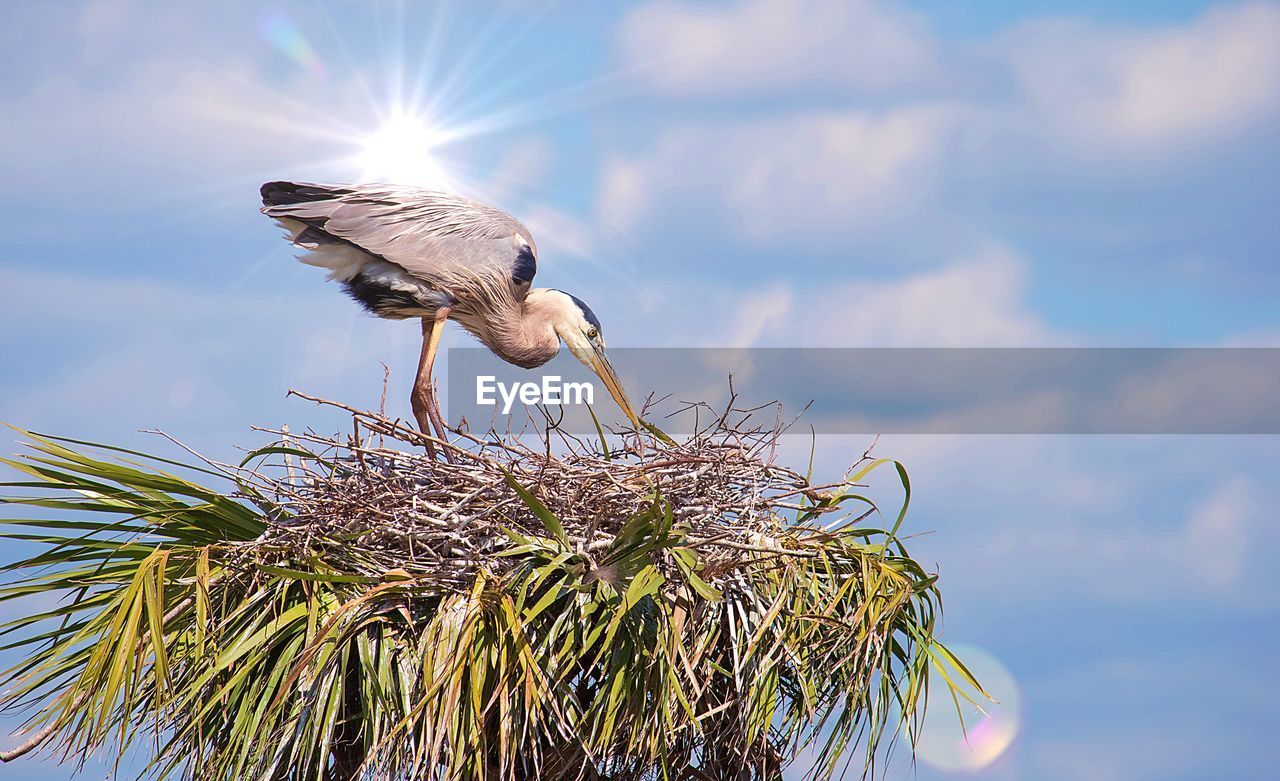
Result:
404,149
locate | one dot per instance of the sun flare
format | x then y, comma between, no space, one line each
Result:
986,734
404,149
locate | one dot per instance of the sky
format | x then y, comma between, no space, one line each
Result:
755,173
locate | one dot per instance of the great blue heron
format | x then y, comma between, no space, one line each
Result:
406,252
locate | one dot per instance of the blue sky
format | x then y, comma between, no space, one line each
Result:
814,173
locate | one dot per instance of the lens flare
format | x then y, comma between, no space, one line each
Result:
986,736
288,39
402,150
412,114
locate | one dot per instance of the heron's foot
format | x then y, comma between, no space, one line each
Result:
437,421
418,401
426,409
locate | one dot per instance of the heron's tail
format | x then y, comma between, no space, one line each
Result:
302,208
290,193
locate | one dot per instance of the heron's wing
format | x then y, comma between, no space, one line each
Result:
443,239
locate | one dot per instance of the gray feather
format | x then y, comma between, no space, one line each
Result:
451,248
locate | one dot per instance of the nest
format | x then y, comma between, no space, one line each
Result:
407,512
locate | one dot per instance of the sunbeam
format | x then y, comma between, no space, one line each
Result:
402,149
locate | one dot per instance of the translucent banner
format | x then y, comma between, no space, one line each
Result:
890,391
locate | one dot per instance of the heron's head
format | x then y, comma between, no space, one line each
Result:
579,329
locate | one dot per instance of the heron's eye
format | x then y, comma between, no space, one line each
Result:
592,333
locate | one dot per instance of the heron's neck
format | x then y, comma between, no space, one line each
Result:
526,339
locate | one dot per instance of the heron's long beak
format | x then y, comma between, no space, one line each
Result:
604,369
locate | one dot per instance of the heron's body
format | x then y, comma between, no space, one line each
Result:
519,332
406,252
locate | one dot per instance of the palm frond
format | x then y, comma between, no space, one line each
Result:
570,615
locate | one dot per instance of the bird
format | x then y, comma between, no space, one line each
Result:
406,252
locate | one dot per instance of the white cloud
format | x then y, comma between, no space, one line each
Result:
528,163
1139,87
141,353
558,232
775,180
979,301
758,314
973,300
187,106
1178,390
816,171
759,44
172,131
1214,545
1046,92
202,114
1097,550
626,194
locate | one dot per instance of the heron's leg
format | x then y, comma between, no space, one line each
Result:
437,330
419,398
425,406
